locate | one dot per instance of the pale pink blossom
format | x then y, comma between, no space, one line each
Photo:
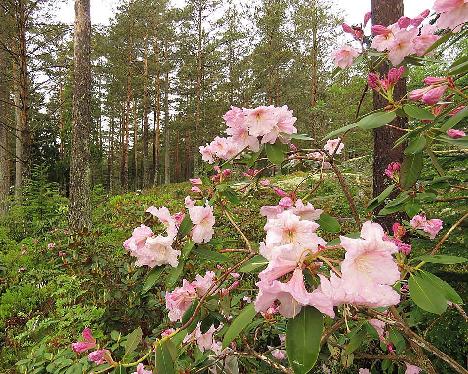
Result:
453,14
306,212
332,145
432,226
271,211
205,341
367,18
157,251
412,369
188,202
291,295
261,120
425,40
138,238
88,342
455,134
202,284
141,369
196,189
206,153
196,181
283,128
344,56
383,37
203,219
99,357
165,217
279,354
401,46
364,371
167,332
288,228
286,202
265,182
179,300
379,327
235,117
283,259
368,260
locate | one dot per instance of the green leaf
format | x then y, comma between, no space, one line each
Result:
231,195
398,340
454,119
417,112
460,68
185,226
164,360
301,137
239,324
375,120
425,294
334,133
303,336
133,339
443,287
329,223
442,259
255,263
410,170
189,312
412,208
400,199
187,249
355,340
174,274
209,254
380,198
461,142
275,153
119,370
416,145
152,278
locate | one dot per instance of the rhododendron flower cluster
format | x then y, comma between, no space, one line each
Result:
88,342
453,14
392,170
455,134
248,128
179,300
344,56
431,226
334,146
205,341
433,91
385,86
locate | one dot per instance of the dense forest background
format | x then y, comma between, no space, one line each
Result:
162,78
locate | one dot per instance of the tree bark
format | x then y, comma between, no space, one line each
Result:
146,170
110,161
135,144
4,118
157,118
126,124
80,171
386,12
167,140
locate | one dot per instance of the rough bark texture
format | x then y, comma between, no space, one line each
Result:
80,172
167,140
126,123
157,119
5,110
146,169
386,12
110,161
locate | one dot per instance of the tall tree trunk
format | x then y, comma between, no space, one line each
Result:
110,161
385,13
146,172
126,124
198,86
157,118
80,171
313,58
4,119
61,123
19,162
167,139
135,144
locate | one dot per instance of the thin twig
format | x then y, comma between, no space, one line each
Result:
447,234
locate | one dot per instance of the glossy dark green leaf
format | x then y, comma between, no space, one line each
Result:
275,153
185,226
133,339
410,170
329,223
303,336
209,254
152,277
380,198
375,120
425,294
341,130
443,287
164,360
414,111
416,145
256,263
452,121
174,274
239,324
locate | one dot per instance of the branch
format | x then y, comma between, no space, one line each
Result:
345,189
447,234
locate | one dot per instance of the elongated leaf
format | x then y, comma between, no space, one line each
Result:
410,170
164,360
419,113
209,254
416,145
461,142
426,295
301,137
443,287
343,129
400,199
454,119
239,324
355,340
329,223
275,153
303,339
133,339
185,226
375,120
459,69
152,278
255,263
174,274
442,259
380,198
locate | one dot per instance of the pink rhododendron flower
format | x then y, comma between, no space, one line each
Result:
261,120
282,259
288,228
235,117
432,226
265,182
383,38
280,192
453,14
412,369
367,18
270,211
379,326
286,202
206,153
179,300
141,370
157,251
202,284
279,354
368,260
332,144
401,46
195,189
205,341
392,169
455,134
88,342
404,22
282,128
344,56
196,181
99,357
425,40
364,371
203,219
138,238
306,212
167,332
165,217
291,295
433,96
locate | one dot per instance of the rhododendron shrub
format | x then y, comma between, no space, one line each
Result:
315,287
